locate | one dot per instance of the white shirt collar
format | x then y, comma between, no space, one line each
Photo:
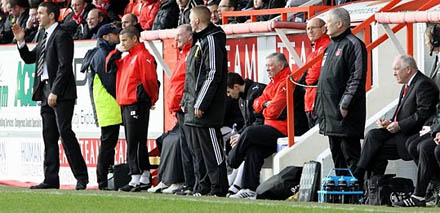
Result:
50,30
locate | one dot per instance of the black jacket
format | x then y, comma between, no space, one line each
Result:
184,14
59,59
252,90
83,31
342,85
167,17
205,80
8,36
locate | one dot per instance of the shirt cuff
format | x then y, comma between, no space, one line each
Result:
21,45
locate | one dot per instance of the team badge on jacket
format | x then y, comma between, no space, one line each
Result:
338,52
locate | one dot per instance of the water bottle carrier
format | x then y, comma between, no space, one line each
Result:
340,189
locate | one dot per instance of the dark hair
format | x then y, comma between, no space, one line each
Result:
51,8
234,78
34,3
280,59
130,31
20,3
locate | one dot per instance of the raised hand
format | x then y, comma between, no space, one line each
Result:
18,33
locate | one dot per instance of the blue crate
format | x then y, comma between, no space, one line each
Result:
344,193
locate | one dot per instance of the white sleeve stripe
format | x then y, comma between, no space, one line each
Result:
211,74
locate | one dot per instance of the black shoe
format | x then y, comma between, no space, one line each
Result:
44,186
130,188
217,194
410,202
184,190
80,185
145,186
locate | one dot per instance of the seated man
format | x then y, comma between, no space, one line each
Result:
80,11
417,102
88,30
258,142
246,91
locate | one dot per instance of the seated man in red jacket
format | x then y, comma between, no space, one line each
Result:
137,90
259,142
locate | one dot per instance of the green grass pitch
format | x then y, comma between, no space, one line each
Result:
14,199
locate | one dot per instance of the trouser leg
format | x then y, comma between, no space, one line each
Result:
186,152
136,119
106,156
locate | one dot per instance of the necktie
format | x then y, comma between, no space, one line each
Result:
400,105
42,55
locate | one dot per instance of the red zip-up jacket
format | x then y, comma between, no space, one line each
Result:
177,81
149,10
138,67
314,72
275,92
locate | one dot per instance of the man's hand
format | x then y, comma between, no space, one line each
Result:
153,107
383,123
393,127
344,112
425,129
198,113
234,140
18,33
52,100
437,138
120,48
266,104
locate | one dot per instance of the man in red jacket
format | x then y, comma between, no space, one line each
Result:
137,90
259,142
316,31
184,38
148,13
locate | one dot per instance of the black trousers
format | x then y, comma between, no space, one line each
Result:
135,118
57,122
186,151
422,149
254,145
345,151
210,166
379,147
106,156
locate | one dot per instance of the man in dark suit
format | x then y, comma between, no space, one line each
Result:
417,102
54,86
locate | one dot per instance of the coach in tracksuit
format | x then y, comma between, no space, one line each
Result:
203,102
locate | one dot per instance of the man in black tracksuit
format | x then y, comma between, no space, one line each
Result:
340,98
246,91
204,102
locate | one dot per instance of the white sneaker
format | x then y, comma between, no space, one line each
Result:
245,193
158,188
171,189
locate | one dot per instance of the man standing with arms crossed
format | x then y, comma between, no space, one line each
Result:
137,90
203,102
54,86
340,99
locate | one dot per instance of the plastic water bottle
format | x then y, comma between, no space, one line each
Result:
342,185
330,186
234,132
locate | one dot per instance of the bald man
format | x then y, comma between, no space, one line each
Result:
203,102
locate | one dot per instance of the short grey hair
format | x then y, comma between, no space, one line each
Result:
341,14
279,58
187,28
407,61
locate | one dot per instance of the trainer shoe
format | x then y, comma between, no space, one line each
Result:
130,188
245,193
233,190
183,190
158,188
172,188
410,202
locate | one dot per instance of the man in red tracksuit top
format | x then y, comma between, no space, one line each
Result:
258,142
184,38
137,90
150,8
316,32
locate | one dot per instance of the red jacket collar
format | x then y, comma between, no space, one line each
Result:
281,75
137,48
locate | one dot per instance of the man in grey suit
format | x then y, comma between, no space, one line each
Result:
54,86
